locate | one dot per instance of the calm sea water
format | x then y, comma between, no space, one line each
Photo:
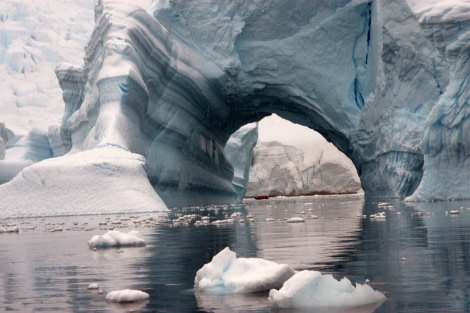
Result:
419,256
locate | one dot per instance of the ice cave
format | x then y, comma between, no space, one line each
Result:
163,89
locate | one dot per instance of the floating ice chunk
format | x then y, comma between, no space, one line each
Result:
296,220
228,274
378,216
127,295
310,290
115,238
9,229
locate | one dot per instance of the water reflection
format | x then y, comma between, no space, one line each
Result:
329,233
418,255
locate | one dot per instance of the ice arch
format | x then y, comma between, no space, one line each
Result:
174,82
171,83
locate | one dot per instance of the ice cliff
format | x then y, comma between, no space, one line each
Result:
384,81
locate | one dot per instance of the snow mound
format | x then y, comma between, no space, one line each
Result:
228,274
310,290
127,295
115,238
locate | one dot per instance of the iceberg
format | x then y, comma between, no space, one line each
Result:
227,274
288,160
283,170
169,82
312,291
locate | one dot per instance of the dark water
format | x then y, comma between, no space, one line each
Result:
420,259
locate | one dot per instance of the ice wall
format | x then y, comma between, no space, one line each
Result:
446,140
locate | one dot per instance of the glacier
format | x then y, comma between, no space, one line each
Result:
168,83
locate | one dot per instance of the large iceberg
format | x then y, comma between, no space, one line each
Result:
384,81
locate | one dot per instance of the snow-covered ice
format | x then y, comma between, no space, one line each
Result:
104,180
127,295
310,290
115,238
228,274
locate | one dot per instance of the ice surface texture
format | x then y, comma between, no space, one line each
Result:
384,81
228,274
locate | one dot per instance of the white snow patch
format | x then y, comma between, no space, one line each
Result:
228,274
115,238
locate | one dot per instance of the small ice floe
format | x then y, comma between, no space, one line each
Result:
227,274
378,216
296,220
312,291
127,295
94,288
115,238
9,229
223,222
